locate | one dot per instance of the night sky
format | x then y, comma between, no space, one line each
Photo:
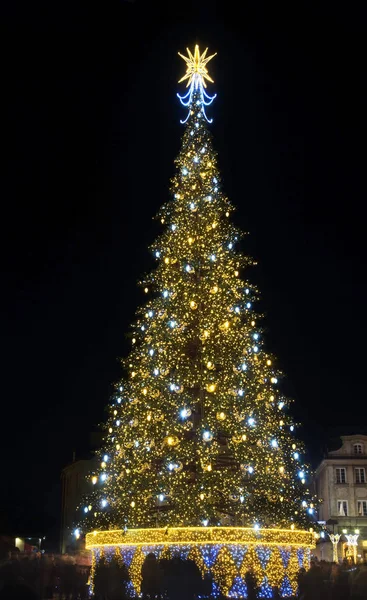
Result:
90,132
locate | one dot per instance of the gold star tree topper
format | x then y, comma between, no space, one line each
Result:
196,66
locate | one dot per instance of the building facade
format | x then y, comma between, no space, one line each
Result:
341,485
74,485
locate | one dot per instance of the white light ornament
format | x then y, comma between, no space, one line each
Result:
185,413
207,436
196,76
352,543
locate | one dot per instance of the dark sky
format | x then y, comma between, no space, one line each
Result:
90,132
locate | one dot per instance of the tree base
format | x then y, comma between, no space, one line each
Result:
224,555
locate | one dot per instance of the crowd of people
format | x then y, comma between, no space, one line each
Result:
332,581
47,576
43,577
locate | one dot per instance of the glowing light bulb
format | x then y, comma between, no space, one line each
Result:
304,503
296,456
248,305
274,380
77,533
156,371
201,496
256,336
207,436
94,480
85,509
237,309
161,497
250,469
213,257
165,294
230,245
104,503
132,504
188,268
184,413
255,349
103,477
150,313
310,511
242,499
205,522
256,527
151,352
173,227
172,324
244,367
274,443
192,205
184,171
292,428
118,422
280,405
240,392
251,421
157,254
301,474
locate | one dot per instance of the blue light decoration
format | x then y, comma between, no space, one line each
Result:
209,554
237,553
264,555
156,550
285,556
196,73
265,590
300,556
216,593
286,588
238,589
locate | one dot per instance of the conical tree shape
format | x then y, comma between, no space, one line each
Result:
198,431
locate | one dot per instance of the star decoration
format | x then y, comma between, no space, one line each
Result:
196,66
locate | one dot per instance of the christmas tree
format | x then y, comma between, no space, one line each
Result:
199,432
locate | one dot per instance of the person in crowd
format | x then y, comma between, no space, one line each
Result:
150,574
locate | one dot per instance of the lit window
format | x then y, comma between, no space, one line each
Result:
362,508
341,475
360,475
342,508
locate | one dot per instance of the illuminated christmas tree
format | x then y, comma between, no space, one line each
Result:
199,433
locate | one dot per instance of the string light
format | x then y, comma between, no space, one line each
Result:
196,378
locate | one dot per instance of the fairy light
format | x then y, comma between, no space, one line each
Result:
198,380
